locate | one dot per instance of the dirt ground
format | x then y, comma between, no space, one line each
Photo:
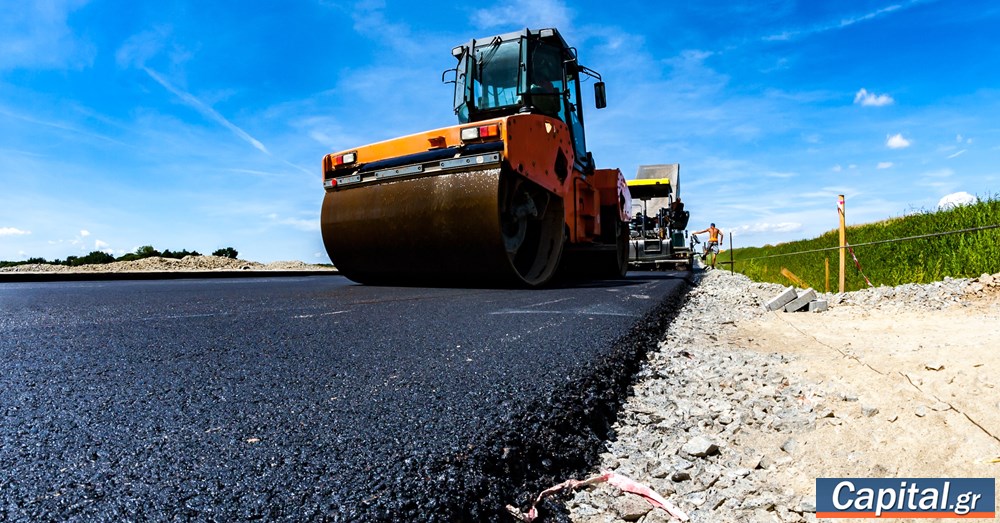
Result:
912,393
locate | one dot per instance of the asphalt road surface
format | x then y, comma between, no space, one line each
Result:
311,398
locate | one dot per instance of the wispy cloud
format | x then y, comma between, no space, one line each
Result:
141,47
36,35
767,228
884,165
896,141
205,110
865,98
302,224
13,231
55,124
939,173
957,154
525,13
369,18
842,23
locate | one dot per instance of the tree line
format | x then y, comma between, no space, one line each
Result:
98,257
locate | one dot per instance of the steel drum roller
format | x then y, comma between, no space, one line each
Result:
484,226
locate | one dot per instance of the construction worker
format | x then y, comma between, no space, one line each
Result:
546,72
712,246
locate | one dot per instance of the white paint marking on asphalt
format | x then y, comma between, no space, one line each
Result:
183,316
548,302
301,316
576,313
549,325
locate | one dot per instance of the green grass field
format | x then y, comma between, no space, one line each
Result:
923,260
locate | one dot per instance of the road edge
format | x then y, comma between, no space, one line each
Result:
33,277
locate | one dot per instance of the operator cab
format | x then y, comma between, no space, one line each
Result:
525,72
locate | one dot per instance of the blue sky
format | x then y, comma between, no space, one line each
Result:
200,125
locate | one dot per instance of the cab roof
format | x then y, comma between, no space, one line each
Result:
649,188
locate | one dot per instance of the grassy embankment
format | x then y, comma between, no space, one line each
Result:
923,260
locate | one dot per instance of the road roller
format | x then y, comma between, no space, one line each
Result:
508,197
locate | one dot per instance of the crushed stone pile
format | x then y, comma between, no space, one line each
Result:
158,264
701,404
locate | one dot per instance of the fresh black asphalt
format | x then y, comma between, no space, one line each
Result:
309,398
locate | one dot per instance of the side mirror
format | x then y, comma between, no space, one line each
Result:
600,96
445,73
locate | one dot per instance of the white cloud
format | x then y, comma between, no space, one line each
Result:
956,199
141,47
837,168
768,227
369,18
940,179
896,141
36,34
302,224
863,97
525,13
12,231
957,154
84,233
884,165
940,173
101,245
840,24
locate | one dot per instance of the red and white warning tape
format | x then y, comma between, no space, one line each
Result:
858,265
840,210
612,478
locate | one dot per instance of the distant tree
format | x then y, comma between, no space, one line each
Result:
179,254
6,263
147,251
228,252
93,257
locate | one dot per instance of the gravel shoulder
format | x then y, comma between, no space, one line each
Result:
740,410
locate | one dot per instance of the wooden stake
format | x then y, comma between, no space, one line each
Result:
795,279
732,262
826,263
843,241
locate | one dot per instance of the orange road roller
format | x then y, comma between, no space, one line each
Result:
508,197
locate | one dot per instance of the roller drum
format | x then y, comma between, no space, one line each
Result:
479,227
